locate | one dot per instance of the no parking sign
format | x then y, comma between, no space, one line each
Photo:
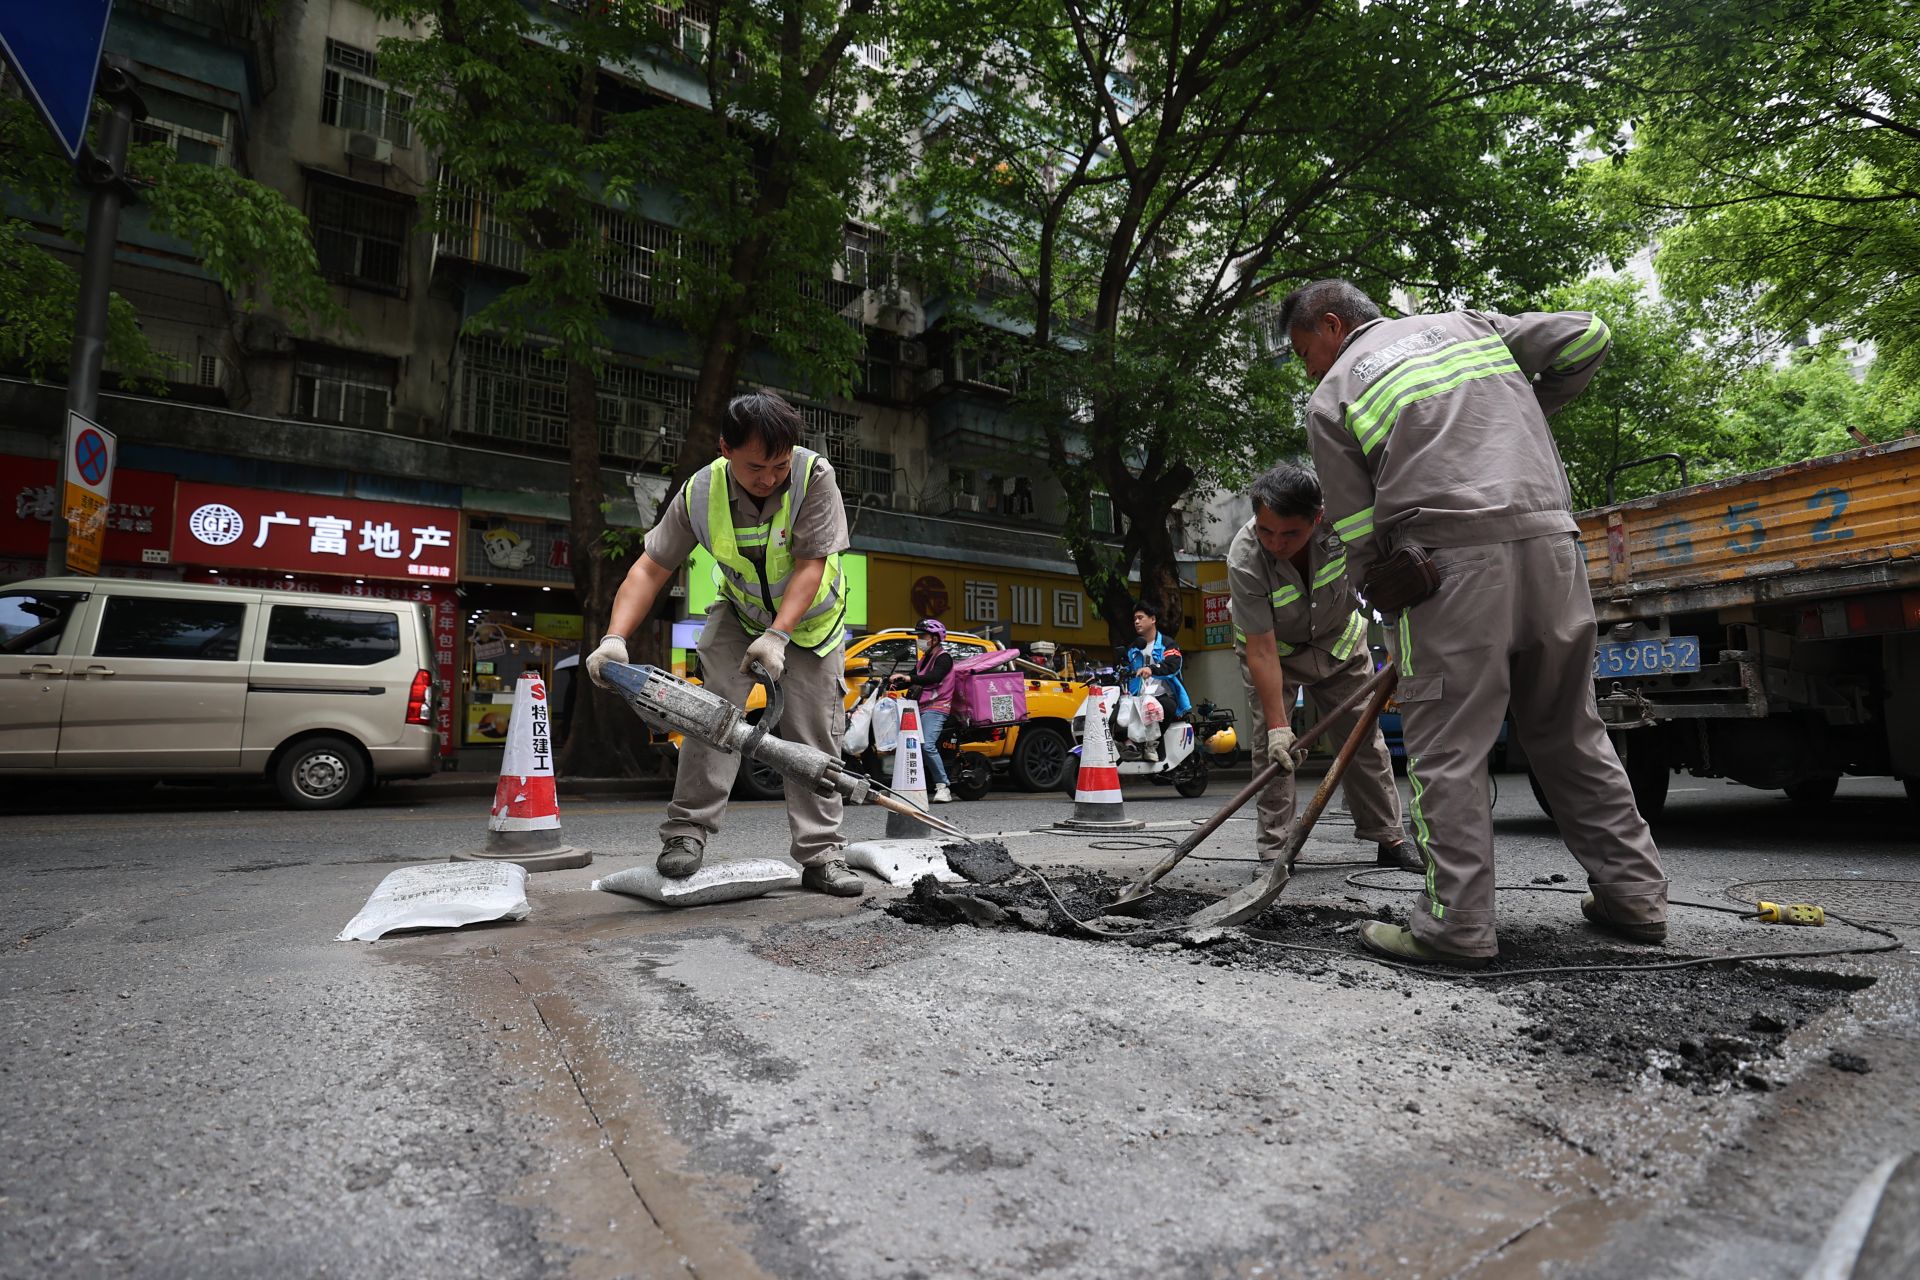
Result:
91,450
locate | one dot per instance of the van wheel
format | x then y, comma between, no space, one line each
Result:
320,773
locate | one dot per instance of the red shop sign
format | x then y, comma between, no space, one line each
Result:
299,533
139,519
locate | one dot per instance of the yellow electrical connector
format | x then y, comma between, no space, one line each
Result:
1791,913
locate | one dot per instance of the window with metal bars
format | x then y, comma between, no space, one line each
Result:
360,236
353,98
351,394
198,132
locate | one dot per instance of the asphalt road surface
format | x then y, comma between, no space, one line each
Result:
199,1082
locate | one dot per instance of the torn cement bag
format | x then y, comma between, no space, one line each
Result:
716,882
441,895
901,862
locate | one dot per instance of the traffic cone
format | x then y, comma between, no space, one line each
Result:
524,826
1097,805
909,773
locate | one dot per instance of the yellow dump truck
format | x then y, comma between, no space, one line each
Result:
1764,628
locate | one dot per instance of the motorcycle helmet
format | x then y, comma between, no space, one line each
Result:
1224,741
932,627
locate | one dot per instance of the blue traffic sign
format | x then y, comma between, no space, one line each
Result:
90,457
55,51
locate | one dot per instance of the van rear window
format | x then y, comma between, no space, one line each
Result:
169,627
340,637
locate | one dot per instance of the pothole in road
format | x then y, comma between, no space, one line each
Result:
1708,1029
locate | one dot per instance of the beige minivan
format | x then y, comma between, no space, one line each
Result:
322,694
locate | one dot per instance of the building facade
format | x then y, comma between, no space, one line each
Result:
329,457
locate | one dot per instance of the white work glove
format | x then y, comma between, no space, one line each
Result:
1280,747
612,649
770,651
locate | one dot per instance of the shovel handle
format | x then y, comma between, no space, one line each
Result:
1382,679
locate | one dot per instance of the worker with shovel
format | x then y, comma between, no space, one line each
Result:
1296,624
1443,481
771,515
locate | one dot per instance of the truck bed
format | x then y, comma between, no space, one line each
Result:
1844,523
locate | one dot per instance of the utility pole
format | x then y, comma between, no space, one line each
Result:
106,173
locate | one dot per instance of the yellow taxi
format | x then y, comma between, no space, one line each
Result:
1034,755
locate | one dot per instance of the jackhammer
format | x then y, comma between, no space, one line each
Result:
667,702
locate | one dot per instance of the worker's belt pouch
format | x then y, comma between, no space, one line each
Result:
1402,580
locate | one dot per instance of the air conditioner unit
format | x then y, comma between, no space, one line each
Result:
211,371
367,146
913,354
966,502
932,379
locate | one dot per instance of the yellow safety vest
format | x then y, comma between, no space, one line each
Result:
753,589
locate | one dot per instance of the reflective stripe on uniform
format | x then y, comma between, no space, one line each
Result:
1406,644
1372,416
1356,526
1424,836
1330,571
1240,639
1583,347
1284,595
1350,638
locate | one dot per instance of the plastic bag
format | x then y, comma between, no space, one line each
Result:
860,727
886,724
1151,712
441,895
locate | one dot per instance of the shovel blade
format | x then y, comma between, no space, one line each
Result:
1129,902
1242,904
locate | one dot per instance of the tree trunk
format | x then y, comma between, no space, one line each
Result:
604,739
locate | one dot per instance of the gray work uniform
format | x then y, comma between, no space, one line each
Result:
1432,431
1315,623
814,684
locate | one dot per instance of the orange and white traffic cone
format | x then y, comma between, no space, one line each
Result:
1097,805
524,826
909,773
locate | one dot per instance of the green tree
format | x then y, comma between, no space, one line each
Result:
1656,394
750,133
1807,407
1127,186
1777,158
255,244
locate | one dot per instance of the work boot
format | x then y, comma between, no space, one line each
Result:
835,877
679,858
1401,855
1653,934
1395,943
943,794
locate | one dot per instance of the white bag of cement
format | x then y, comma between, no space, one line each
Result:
901,862
441,895
716,882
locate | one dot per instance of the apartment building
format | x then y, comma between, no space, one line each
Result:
400,423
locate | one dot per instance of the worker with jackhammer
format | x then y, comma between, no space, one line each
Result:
1444,484
1298,625
771,516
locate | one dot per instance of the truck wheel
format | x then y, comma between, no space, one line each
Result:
1040,758
1814,793
1644,753
320,773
